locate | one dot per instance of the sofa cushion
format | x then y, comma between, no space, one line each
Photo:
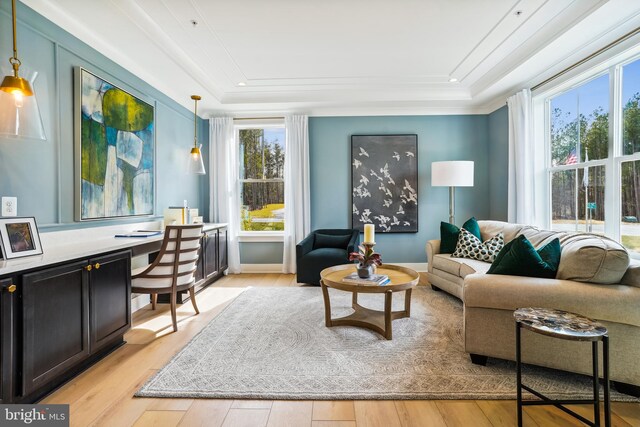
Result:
632,276
469,246
449,234
472,266
331,241
509,231
445,262
520,258
592,258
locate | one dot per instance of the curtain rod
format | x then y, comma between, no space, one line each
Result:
258,118
588,58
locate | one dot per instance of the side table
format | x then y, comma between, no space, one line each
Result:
567,326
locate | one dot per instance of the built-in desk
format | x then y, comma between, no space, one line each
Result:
64,310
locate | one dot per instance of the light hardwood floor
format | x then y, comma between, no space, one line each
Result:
102,395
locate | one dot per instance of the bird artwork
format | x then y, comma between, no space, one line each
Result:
407,186
386,163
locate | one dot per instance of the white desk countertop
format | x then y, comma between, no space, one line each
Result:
61,246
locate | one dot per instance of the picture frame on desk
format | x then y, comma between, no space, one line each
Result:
19,237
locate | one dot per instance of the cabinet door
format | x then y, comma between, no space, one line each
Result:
7,339
210,253
109,298
200,265
223,262
55,323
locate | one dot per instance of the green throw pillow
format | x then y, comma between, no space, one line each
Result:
449,234
520,258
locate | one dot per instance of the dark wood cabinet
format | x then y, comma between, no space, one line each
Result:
55,323
69,314
109,298
7,339
223,262
210,254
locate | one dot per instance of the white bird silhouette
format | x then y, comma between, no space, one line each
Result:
391,181
389,193
364,179
365,216
406,223
400,210
373,173
385,170
385,228
356,163
395,221
407,186
408,154
383,219
396,155
413,198
387,202
365,193
363,152
355,210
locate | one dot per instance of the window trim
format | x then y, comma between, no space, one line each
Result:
613,65
255,236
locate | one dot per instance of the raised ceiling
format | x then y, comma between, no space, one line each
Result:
343,56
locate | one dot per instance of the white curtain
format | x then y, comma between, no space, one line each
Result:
521,196
296,188
223,171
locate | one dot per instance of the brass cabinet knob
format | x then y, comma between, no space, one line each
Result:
97,265
89,267
12,288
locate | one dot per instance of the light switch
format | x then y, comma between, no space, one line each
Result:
9,206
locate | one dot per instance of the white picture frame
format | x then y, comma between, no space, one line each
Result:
19,237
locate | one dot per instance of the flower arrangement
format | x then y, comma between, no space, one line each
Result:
366,256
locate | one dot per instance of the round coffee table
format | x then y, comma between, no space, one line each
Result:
402,279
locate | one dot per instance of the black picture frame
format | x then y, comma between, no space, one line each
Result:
384,182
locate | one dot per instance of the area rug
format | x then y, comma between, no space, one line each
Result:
271,343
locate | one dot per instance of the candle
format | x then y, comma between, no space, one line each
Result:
369,233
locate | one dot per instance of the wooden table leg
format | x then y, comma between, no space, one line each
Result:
327,305
354,300
388,334
407,302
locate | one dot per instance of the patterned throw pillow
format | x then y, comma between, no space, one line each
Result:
469,246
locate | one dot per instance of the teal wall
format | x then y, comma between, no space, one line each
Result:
40,174
499,163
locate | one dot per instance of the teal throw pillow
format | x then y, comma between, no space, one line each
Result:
520,258
331,241
449,234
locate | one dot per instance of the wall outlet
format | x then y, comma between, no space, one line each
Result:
9,206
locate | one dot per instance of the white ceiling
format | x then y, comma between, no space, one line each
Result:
339,57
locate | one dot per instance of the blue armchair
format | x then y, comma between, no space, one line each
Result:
322,249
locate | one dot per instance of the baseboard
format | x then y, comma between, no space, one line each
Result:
417,266
261,268
277,268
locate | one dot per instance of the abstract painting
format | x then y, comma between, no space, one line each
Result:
19,237
114,151
384,178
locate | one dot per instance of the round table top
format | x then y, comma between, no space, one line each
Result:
402,278
560,324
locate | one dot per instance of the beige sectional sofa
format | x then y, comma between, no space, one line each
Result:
595,279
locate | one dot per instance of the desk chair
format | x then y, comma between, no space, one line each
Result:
174,268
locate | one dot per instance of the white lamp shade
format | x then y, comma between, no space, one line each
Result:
457,173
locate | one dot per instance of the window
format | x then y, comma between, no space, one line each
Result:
261,158
593,155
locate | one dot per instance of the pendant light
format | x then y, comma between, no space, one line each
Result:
196,164
19,113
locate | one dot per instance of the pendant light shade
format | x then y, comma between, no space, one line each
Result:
196,163
19,112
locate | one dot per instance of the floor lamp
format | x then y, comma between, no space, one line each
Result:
452,174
